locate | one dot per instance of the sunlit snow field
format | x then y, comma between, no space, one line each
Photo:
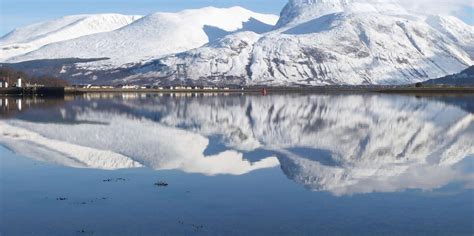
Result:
237,165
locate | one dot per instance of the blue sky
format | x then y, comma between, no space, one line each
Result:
16,13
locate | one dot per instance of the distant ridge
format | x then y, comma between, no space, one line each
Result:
464,78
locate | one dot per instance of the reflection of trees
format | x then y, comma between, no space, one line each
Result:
11,75
13,106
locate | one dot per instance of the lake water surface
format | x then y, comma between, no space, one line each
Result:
237,165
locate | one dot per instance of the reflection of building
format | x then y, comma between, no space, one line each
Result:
8,105
19,103
11,105
4,103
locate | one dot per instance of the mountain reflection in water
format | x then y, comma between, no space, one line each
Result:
343,144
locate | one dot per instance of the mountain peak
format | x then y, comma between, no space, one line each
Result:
298,11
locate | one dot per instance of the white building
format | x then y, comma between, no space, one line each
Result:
19,83
130,87
4,84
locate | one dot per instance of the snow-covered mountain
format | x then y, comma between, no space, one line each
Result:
338,42
156,35
33,37
341,144
314,42
456,30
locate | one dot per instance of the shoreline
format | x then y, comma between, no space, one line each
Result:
55,91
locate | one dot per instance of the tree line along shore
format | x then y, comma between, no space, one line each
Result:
53,91
45,85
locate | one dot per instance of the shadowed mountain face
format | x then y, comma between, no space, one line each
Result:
340,144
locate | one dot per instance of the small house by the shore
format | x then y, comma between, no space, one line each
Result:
4,83
19,83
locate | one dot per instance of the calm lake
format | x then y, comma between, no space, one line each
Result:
290,164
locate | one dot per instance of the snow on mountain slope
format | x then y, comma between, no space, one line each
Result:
385,45
230,54
316,42
365,48
32,37
299,11
456,29
156,35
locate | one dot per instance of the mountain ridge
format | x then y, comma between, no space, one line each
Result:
30,38
144,38
315,42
